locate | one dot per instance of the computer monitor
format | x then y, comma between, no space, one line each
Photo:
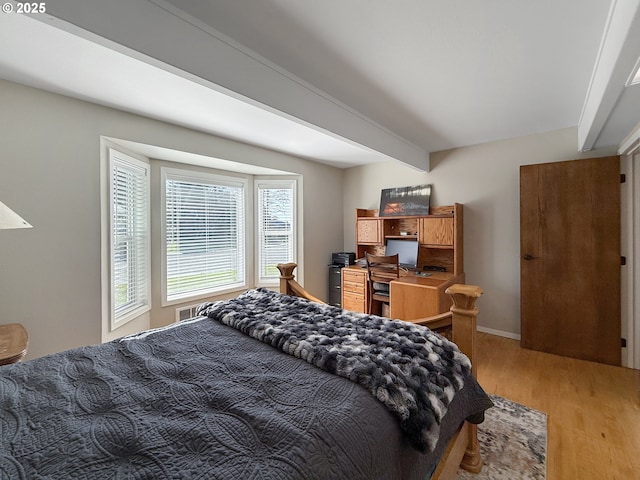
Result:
407,251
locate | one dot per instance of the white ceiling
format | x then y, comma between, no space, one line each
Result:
56,60
442,73
343,82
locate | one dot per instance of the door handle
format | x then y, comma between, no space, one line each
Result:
529,257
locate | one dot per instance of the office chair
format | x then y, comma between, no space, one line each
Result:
381,269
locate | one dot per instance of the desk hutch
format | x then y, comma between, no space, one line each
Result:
412,296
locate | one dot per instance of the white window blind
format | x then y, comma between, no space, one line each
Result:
129,232
204,235
276,228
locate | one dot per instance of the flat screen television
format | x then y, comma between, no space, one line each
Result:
407,251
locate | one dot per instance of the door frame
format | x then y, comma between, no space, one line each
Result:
629,152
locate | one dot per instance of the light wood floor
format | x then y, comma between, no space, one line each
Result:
593,410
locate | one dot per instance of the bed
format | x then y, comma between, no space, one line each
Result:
242,391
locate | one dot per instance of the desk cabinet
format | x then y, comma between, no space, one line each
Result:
368,231
354,289
436,231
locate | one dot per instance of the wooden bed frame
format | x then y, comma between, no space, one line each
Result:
463,450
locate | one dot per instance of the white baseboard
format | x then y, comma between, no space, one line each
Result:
500,333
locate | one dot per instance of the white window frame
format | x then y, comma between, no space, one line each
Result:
263,183
201,177
118,158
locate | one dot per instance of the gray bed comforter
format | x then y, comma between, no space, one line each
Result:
411,370
202,400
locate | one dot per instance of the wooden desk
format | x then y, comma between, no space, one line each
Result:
14,340
410,297
413,297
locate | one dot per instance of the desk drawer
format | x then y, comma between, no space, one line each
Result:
353,302
353,287
354,275
354,281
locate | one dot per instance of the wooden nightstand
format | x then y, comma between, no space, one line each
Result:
14,340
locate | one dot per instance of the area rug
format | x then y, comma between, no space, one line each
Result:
513,443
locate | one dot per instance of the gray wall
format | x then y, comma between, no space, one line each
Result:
485,178
50,275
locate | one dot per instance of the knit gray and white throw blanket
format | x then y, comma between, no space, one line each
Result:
413,371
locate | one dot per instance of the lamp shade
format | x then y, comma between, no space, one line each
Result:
10,219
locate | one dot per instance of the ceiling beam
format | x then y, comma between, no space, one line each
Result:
616,59
157,32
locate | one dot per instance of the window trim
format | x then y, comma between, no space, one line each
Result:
118,156
289,183
201,177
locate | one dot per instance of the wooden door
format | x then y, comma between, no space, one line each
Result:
570,258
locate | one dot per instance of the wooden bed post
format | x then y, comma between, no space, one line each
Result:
464,319
288,284
286,274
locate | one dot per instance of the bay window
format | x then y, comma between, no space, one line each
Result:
129,237
275,206
204,236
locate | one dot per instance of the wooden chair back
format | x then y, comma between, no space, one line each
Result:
381,270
